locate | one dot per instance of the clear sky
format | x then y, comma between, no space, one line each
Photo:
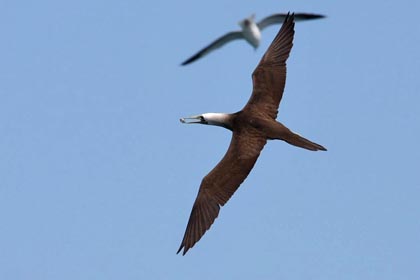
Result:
98,176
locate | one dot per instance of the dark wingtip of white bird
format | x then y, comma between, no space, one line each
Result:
191,59
307,16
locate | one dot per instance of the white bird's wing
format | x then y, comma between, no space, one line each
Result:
279,18
234,35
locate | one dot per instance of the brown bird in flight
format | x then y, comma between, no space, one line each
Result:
251,128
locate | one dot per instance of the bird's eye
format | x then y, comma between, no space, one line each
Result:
202,118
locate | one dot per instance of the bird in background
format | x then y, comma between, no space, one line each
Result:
251,128
251,32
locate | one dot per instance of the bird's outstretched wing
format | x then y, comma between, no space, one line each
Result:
234,35
279,18
269,77
220,184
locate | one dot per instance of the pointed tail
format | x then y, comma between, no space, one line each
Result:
299,141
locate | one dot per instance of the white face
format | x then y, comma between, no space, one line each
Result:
247,22
215,118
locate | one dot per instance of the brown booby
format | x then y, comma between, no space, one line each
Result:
250,31
251,128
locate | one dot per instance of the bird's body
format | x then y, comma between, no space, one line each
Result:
250,32
251,128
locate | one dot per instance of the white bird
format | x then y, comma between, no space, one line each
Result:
251,32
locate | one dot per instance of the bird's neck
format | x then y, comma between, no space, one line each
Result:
219,119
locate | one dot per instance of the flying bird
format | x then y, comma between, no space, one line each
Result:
251,32
251,128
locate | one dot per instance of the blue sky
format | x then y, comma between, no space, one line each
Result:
98,176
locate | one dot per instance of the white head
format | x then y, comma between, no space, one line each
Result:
247,22
218,119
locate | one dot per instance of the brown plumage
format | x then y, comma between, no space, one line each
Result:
252,127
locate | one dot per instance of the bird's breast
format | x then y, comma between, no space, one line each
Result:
252,34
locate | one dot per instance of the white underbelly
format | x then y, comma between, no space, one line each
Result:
253,35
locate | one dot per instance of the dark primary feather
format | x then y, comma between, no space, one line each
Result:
269,78
214,45
279,18
247,142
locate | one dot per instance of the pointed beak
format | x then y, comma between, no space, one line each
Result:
192,119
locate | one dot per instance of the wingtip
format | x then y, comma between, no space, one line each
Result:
320,148
316,16
180,249
289,17
307,16
289,21
190,60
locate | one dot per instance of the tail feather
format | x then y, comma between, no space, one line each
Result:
299,141
277,130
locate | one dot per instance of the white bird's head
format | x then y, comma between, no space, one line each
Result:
245,23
